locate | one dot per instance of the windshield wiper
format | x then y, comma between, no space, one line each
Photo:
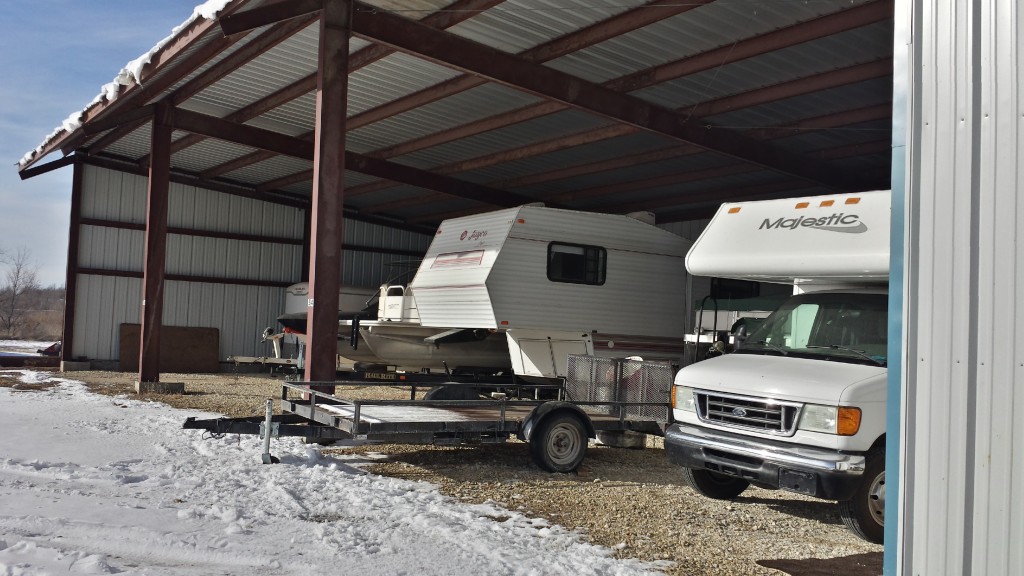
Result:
773,347
860,353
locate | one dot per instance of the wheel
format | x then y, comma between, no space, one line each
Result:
713,484
559,443
864,514
452,393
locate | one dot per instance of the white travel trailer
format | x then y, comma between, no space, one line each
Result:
800,405
525,287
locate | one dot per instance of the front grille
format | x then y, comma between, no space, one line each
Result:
748,412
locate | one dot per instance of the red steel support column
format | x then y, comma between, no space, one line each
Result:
156,245
327,215
67,339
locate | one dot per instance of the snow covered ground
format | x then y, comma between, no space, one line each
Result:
21,347
91,484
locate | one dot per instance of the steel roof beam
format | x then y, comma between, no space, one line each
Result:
800,86
829,121
455,13
157,78
849,19
448,49
269,140
458,12
830,24
653,11
845,151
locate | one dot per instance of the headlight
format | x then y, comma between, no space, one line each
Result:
841,420
682,398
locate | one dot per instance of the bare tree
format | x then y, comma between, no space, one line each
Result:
19,281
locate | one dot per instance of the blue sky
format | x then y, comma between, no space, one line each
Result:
55,55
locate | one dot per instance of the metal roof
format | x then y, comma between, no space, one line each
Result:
589,104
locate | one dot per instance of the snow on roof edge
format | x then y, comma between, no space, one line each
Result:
129,74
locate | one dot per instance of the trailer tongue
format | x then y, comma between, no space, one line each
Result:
606,398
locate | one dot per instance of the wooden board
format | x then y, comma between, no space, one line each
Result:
183,349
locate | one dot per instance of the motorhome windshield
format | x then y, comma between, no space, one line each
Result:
828,326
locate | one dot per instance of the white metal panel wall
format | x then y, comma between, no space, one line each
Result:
103,303
240,312
962,466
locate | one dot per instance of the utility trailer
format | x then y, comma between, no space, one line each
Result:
607,398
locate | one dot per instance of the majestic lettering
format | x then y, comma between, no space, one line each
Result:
847,223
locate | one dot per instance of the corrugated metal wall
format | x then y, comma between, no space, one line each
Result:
962,467
105,300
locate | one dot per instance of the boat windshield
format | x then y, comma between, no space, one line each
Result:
848,327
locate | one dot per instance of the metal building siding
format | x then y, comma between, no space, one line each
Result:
103,304
123,198
105,248
962,450
240,312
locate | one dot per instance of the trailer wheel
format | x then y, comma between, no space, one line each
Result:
559,443
864,514
456,392
713,484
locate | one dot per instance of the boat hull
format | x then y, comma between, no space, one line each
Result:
412,347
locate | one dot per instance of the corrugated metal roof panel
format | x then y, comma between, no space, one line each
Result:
480,102
764,70
293,59
209,153
517,25
392,77
710,26
607,149
510,138
276,167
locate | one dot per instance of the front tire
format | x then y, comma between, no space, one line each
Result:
713,484
559,443
864,514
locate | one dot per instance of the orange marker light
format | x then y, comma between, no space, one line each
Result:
827,203
853,200
848,421
520,221
803,204
734,210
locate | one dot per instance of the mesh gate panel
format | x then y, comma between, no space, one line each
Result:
620,380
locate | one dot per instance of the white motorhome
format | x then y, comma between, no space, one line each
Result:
800,404
525,287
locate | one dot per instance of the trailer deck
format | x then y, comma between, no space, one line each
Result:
600,396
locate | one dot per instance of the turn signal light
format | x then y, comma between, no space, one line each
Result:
848,421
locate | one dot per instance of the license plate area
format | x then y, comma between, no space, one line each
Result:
798,481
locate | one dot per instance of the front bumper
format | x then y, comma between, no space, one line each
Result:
766,462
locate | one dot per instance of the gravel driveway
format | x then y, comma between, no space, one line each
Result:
633,501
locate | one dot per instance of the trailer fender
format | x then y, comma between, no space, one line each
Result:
538,414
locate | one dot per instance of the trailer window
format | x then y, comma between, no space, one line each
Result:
576,264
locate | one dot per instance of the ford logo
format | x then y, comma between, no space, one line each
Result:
739,412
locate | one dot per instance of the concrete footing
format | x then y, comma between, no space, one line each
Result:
69,366
160,387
